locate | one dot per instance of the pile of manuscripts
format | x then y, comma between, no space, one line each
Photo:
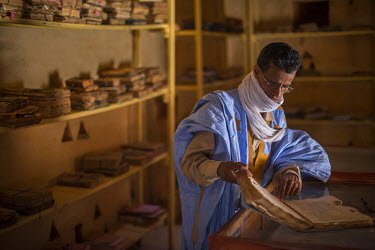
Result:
109,163
92,11
142,215
140,153
117,12
15,112
7,217
159,12
80,179
140,13
85,95
70,12
132,78
154,78
51,102
11,8
26,201
41,9
117,92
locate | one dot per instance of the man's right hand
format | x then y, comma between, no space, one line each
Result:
228,171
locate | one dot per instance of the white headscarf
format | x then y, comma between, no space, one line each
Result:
255,101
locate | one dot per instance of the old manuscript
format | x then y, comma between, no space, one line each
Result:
318,213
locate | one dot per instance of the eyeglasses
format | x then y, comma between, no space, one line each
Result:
284,87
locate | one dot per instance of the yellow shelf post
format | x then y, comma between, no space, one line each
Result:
171,121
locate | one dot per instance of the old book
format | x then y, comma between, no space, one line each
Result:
7,217
154,147
121,98
90,88
26,201
327,212
21,117
120,72
109,163
142,214
108,82
301,215
10,104
144,92
137,156
80,180
79,83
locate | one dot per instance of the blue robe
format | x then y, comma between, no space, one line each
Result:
217,113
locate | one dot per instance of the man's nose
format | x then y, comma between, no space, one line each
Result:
278,92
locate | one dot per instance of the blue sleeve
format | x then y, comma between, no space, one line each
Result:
298,148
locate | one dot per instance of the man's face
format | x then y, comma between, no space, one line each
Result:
274,81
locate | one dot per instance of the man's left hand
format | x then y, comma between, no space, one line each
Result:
289,186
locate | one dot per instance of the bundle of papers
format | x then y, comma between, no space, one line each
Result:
92,11
7,217
51,102
133,78
11,8
117,12
70,12
159,13
143,214
28,115
154,78
139,14
85,95
117,92
79,180
109,163
140,153
26,201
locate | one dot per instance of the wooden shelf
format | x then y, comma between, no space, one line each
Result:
207,33
135,233
313,34
217,84
20,22
86,113
328,122
333,78
64,195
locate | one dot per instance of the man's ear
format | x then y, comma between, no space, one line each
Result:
256,69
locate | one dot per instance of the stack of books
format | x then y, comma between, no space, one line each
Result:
159,12
132,78
109,163
7,217
117,92
51,102
154,78
85,180
40,9
118,12
142,215
92,11
70,12
26,201
11,8
15,112
139,14
85,95
140,153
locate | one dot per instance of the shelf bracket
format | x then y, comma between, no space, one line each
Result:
166,98
167,32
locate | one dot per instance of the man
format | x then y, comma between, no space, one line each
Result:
242,130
